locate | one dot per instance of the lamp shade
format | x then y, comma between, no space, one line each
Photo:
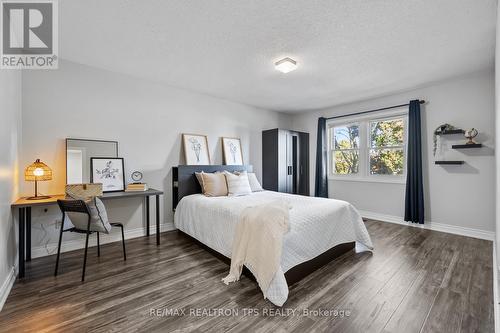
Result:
37,171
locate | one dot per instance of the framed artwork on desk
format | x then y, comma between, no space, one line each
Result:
109,171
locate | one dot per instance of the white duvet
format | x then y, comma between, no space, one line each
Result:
316,225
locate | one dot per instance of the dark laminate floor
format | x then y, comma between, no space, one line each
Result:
416,281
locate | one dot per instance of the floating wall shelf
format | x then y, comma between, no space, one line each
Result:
467,146
449,162
454,131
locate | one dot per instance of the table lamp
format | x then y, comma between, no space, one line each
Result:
38,171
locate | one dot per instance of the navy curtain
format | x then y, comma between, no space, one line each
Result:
321,183
414,201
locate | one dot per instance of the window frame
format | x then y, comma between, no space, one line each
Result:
364,123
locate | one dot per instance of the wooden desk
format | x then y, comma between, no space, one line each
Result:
24,205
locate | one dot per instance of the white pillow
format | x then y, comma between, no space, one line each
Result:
254,182
237,184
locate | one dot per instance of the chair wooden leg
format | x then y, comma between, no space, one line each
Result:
59,247
98,245
123,244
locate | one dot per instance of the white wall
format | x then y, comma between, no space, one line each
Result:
10,135
147,120
456,195
497,129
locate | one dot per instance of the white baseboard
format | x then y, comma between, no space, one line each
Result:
448,228
115,236
7,286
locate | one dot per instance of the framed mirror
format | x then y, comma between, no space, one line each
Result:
78,154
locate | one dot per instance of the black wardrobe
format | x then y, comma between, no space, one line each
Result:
285,161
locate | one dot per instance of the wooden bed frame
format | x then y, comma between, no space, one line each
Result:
184,183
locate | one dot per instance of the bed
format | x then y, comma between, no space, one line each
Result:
320,229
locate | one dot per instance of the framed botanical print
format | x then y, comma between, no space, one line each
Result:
231,149
196,149
109,171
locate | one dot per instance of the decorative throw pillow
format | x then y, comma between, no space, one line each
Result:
198,178
254,182
214,184
252,179
237,184
98,216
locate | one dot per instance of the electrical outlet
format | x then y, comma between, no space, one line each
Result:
57,224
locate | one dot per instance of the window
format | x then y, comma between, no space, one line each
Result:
346,149
369,149
387,147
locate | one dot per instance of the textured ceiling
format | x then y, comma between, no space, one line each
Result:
346,49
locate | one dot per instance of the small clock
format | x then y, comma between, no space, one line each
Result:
136,176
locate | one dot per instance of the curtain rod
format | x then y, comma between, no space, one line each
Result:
370,111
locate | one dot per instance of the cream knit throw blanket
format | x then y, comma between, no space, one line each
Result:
258,242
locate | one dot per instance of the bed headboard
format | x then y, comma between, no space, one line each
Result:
184,181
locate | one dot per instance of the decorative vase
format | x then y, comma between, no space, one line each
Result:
470,134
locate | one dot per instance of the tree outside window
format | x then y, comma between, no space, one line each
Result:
387,147
346,149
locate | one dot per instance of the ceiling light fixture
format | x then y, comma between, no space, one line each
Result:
285,65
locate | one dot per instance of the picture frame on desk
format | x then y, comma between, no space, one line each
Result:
109,171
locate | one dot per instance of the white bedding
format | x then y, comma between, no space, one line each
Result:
316,225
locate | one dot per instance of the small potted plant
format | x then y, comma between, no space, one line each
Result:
438,132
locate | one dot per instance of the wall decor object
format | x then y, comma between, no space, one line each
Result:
231,149
470,134
440,130
109,171
196,149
